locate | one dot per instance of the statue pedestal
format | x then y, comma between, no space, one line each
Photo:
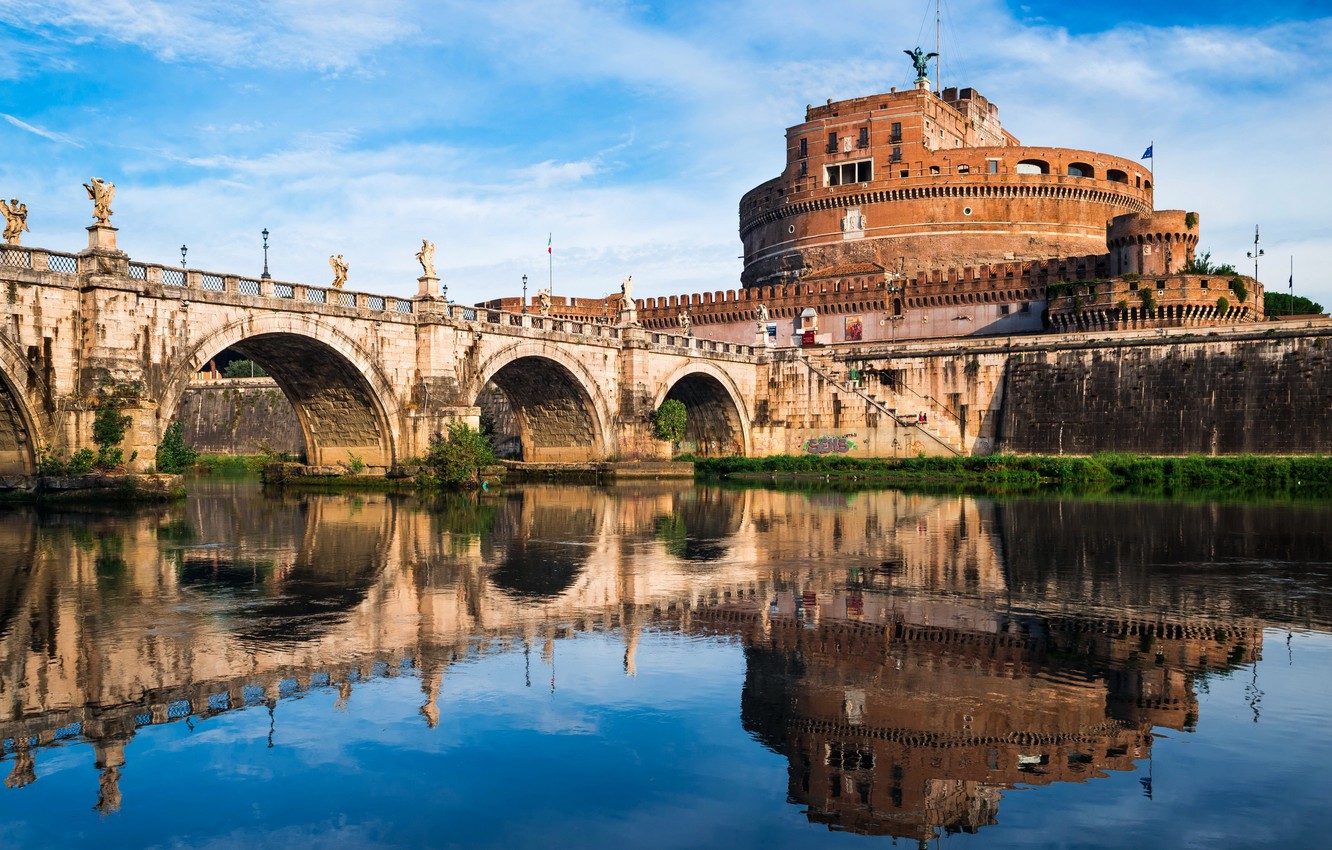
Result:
761,338
102,256
428,287
628,316
923,83
102,238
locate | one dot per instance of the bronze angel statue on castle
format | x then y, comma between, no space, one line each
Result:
921,60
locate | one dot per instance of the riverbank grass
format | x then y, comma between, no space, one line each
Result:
1194,472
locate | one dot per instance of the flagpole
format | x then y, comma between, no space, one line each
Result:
550,264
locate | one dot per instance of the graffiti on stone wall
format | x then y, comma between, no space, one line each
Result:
828,445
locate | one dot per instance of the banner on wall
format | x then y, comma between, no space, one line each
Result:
853,330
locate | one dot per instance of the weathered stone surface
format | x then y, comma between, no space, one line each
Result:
241,416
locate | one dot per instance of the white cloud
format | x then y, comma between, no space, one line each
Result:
38,131
628,132
327,36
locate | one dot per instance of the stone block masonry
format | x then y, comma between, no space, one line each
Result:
239,416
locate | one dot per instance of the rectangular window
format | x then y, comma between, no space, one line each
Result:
994,165
832,142
1203,283
896,155
1003,309
863,141
846,173
897,132
1160,284
804,168
804,148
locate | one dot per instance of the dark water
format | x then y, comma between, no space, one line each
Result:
665,666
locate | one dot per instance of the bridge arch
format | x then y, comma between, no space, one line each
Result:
344,402
20,430
718,421
558,413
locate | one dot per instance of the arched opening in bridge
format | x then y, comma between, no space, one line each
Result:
338,421
537,411
540,546
16,449
712,419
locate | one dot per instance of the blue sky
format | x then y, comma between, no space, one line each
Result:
628,129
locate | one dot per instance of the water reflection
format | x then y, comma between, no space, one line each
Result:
910,657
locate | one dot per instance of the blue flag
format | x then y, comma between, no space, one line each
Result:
1147,154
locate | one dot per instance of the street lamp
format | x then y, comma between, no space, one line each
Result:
1255,253
183,249
265,275
524,294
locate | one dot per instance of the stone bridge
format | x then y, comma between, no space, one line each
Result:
371,377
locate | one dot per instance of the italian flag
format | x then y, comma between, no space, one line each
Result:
549,249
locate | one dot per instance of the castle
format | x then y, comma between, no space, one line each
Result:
915,215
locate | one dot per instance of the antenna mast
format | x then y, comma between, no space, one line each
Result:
937,44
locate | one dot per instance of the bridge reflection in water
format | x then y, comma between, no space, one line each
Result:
910,656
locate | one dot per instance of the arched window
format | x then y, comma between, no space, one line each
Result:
1080,169
1033,166
1114,175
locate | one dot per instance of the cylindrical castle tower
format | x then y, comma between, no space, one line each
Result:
924,181
1158,243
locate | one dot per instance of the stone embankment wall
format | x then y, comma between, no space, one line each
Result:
1263,388
239,416
1269,395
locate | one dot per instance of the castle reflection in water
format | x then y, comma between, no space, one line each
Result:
910,656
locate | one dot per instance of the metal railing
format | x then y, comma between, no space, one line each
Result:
213,282
19,257
65,264
907,421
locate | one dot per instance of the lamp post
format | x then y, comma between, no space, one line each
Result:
1255,253
524,294
265,275
183,249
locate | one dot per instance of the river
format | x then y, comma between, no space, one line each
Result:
665,665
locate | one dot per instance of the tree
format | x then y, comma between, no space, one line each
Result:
457,459
243,369
109,427
1281,304
1202,264
668,421
173,455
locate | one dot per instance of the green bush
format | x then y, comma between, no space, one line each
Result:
456,460
1241,291
1222,304
55,462
1148,299
668,421
173,455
